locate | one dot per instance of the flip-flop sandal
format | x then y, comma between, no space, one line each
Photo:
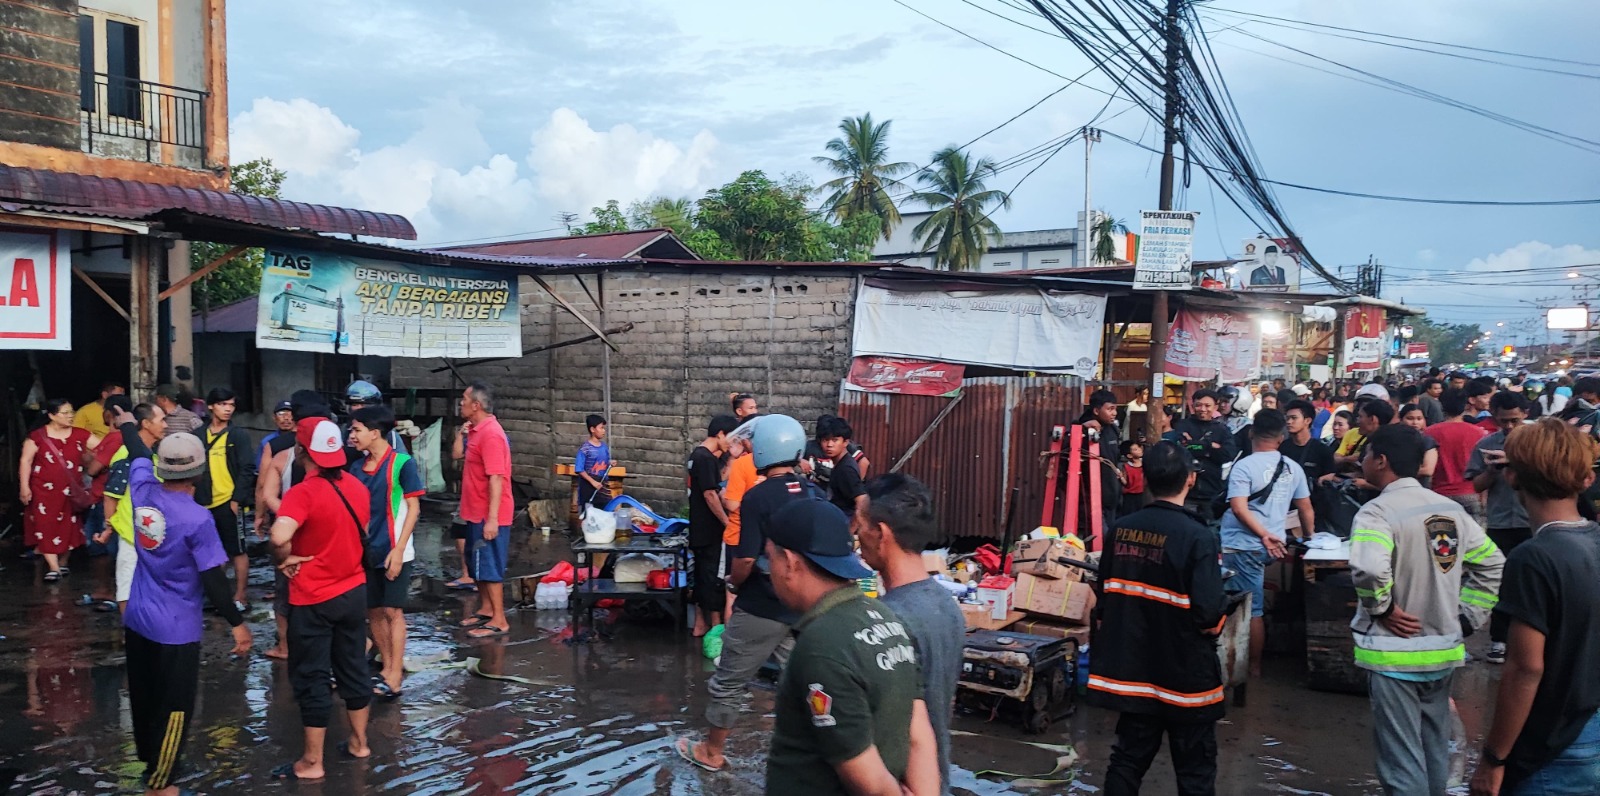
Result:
486,631
457,585
65,571
685,749
474,621
344,751
53,576
105,606
384,691
286,771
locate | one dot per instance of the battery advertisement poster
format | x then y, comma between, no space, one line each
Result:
329,303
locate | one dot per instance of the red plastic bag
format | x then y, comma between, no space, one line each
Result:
563,572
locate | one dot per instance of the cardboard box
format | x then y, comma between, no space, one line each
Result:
1055,597
978,618
932,562
1038,556
999,593
1041,627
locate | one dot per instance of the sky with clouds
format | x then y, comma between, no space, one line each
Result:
485,119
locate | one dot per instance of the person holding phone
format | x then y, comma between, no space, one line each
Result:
1507,519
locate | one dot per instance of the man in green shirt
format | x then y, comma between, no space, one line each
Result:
118,508
850,715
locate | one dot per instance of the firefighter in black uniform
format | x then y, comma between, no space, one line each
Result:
1155,633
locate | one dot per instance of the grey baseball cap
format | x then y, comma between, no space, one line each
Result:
180,456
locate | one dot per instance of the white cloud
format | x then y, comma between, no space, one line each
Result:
579,167
1509,285
445,178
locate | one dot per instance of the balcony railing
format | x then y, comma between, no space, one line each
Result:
123,111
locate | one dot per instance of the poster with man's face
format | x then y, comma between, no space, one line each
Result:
1268,264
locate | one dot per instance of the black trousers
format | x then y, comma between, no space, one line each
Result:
1194,754
1507,540
329,637
708,594
162,679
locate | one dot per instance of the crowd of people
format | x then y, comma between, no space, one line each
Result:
1460,512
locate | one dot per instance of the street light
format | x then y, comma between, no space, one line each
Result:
1572,274
1501,323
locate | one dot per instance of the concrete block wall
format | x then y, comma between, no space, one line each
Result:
783,335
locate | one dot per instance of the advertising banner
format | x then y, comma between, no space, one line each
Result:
1269,264
35,290
1363,338
1166,250
1027,329
312,301
1211,344
1415,350
904,376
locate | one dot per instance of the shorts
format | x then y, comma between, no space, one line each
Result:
94,522
486,559
280,593
385,593
1250,575
127,559
722,563
458,530
229,530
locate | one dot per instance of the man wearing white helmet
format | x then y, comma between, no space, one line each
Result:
759,625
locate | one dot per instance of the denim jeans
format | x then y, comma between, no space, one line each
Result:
1574,772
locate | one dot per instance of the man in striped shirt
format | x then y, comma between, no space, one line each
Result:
1162,590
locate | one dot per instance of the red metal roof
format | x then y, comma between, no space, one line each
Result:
604,246
130,199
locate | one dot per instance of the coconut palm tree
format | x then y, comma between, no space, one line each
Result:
864,180
960,230
1103,235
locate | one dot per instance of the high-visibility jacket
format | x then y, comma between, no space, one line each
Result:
1154,643
1414,549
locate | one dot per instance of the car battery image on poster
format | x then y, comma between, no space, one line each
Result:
313,301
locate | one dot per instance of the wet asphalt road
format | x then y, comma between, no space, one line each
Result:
598,718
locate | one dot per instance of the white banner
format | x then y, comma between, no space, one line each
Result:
1027,329
35,290
1166,250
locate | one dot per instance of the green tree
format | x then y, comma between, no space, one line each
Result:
1448,343
1103,233
606,219
960,230
662,212
239,278
859,157
757,218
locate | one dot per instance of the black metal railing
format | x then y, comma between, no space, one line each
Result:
151,113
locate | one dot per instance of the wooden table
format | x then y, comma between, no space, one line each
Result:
615,480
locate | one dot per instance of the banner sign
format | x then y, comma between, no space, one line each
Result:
1269,264
1214,344
313,301
1363,338
1166,250
1415,350
1027,329
35,290
904,376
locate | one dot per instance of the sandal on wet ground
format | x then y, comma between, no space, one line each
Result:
485,631
685,749
286,771
53,575
344,752
384,691
458,585
474,621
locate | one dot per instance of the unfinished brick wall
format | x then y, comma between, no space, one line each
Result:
783,335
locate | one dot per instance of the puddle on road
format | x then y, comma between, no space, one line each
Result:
600,718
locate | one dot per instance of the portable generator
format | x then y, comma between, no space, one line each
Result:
1026,676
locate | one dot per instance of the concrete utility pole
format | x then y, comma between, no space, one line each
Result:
1086,247
1169,141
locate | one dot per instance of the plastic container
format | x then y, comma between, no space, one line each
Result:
551,596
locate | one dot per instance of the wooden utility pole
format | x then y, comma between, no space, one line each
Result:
1173,35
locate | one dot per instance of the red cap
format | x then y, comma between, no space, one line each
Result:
321,439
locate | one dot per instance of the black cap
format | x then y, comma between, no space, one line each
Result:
283,406
819,531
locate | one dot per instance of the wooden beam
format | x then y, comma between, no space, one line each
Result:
927,432
202,272
99,291
573,310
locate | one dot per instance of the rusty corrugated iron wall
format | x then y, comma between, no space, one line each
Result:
990,442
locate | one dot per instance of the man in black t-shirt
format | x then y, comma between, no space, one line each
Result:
759,626
844,476
1211,443
1547,719
707,518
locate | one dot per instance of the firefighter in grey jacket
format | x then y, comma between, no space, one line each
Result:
1426,576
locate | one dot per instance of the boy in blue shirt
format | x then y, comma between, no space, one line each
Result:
593,462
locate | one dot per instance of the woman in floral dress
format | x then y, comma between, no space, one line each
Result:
51,468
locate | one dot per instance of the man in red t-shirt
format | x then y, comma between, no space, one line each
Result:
318,540
486,509
1456,438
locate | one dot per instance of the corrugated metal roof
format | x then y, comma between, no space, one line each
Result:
117,198
603,246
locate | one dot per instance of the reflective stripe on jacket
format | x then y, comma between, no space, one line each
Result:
1415,550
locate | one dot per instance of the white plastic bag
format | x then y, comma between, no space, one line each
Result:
636,567
599,526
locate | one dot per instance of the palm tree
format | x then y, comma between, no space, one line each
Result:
864,180
663,212
1103,235
960,230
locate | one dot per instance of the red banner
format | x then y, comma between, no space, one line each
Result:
1416,350
1363,338
1206,344
904,376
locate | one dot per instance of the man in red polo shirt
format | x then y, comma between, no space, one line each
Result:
486,509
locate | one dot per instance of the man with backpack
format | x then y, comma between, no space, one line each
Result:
1261,487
